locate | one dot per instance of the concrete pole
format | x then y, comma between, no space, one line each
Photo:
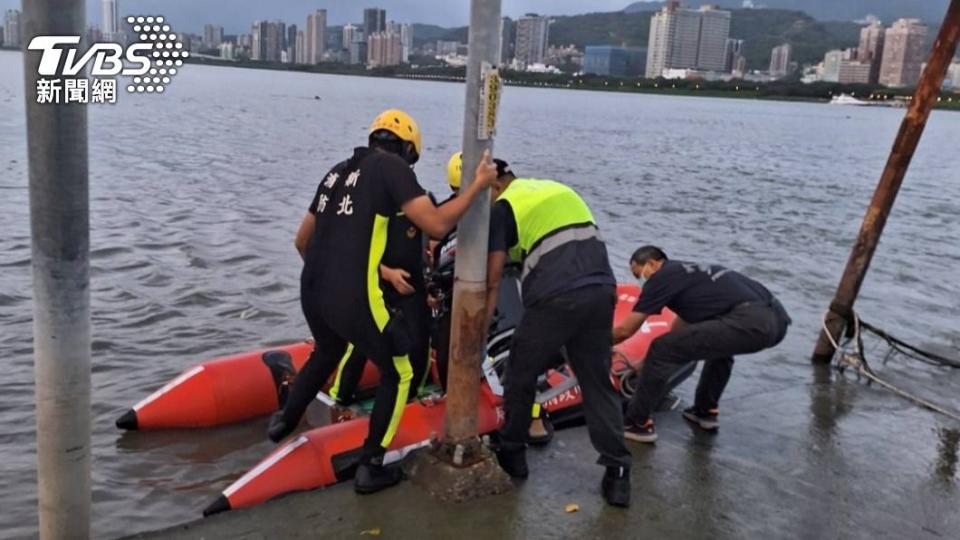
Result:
468,335
903,148
60,228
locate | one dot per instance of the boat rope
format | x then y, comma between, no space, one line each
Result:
856,360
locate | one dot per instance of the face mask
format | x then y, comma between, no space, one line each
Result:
640,279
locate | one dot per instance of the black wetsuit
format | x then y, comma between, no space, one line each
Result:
727,314
340,289
405,248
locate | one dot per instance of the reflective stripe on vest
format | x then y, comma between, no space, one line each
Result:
543,208
555,240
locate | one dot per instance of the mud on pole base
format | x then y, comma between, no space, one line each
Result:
433,470
460,468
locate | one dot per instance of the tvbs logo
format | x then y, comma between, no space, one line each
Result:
150,62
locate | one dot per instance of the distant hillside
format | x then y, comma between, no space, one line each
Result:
931,11
763,29
423,33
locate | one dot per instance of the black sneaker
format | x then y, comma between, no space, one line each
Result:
372,478
616,486
513,462
277,429
645,433
707,420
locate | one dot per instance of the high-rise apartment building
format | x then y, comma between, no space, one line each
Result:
903,53
688,39
384,49
276,35
291,44
349,31
714,32
12,28
405,31
854,72
831,66
358,48
259,34
374,21
212,36
732,51
870,50
780,58
110,20
406,42
508,39
300,48
316,36
533,34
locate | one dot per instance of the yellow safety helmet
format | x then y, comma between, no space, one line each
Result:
455,170
400,124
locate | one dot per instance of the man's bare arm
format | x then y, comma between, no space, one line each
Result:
304,233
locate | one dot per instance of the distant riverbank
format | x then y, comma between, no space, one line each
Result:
736,89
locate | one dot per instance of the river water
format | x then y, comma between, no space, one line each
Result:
196,195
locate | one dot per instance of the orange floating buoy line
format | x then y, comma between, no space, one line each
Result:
245,386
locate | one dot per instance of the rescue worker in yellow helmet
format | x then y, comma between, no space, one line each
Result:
569,294
455,171
541,430
345,233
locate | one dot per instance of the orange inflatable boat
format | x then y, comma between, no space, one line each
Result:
329,454
226,390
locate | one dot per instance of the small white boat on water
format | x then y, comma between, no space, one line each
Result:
847,99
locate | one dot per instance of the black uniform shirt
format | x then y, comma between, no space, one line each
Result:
697,292
353,205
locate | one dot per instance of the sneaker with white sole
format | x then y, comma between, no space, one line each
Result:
707,420
644,434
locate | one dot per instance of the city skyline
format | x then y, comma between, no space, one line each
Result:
235,16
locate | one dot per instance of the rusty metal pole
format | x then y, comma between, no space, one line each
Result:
468,335
903,148
60,230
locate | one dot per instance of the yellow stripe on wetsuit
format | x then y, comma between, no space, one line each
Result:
335,389
378,309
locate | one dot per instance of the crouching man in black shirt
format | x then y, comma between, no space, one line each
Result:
726,313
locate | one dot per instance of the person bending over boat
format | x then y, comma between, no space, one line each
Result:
340,290
725,314
569,294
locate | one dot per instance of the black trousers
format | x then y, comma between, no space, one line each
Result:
441,344
330,349
747,328
581,320
417,314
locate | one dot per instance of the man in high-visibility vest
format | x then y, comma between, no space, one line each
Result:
569,294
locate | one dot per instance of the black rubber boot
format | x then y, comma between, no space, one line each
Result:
277,429
616,486
513,461
373,477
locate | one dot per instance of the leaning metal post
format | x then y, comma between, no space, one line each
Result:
468,335
60,229
903,148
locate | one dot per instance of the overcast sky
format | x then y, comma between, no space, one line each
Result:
236,15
